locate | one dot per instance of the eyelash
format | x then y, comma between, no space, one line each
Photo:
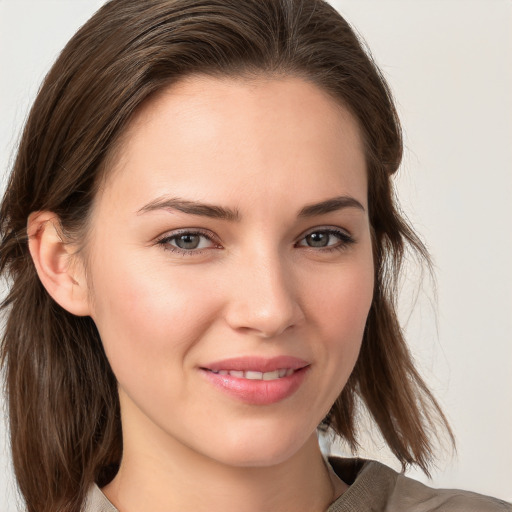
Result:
345,240
164,242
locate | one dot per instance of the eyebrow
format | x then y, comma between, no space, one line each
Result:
229,214
330,205
192,208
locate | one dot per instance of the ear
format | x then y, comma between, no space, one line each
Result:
61,271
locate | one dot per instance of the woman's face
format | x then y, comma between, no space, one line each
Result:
230,267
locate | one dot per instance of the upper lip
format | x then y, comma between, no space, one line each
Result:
257,364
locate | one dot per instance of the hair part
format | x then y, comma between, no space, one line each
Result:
62,395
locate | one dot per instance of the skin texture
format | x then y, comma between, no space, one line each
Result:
265,149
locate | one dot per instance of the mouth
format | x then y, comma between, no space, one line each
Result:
254,375
256,367
256,380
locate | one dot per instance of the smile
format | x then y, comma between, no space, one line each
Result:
253,375
255,380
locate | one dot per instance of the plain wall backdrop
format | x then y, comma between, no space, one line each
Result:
449,64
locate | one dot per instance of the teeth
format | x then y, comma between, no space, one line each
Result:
251,375
271,375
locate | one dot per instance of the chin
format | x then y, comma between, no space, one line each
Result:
262,449
257,458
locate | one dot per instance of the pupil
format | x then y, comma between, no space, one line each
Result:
187,241
317,239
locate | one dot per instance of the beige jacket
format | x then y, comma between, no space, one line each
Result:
374,488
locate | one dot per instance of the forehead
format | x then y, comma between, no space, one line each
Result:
223,134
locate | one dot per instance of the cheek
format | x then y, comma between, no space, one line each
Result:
148,316
347,313
342,298
340,309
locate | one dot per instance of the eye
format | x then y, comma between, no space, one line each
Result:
326,239
187,242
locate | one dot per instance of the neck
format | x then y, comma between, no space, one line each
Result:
165,479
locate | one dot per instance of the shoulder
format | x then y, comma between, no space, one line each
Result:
374,486
96,501
409,493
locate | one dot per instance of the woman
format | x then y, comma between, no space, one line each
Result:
203,246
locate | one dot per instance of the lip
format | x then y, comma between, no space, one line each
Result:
257,364
257,392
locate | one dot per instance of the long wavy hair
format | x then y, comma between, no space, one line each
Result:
63,404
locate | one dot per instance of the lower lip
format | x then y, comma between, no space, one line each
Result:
258,392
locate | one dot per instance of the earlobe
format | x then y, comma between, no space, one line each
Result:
59,272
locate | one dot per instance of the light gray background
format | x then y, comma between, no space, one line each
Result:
449,65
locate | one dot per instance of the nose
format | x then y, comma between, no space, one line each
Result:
264,299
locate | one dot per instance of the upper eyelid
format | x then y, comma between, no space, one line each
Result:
328,229
193,231
164,241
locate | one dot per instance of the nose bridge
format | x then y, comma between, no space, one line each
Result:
264,301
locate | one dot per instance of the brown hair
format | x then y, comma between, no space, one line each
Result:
64,410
